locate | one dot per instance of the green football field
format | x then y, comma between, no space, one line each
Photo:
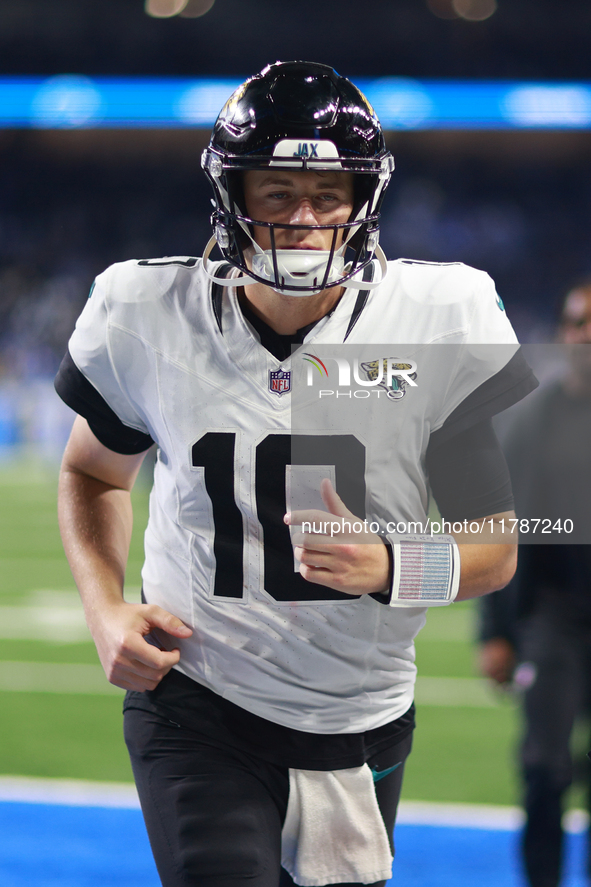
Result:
60,718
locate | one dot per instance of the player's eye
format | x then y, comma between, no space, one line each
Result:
331,198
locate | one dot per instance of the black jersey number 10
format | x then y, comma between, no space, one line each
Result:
215,453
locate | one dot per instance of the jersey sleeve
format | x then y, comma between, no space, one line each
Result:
514,381
490,372
106,401
488,321
77,392
468,474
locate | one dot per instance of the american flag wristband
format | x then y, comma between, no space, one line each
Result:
426,571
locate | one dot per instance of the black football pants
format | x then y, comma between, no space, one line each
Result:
214,814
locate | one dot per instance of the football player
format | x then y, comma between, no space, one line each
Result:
270,707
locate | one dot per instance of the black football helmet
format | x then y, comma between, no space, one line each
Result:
298,115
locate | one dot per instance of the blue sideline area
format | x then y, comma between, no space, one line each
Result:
55,845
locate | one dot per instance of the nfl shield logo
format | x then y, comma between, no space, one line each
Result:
279,381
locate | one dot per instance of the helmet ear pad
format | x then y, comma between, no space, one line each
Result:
364,192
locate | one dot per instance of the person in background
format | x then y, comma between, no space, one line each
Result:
536,632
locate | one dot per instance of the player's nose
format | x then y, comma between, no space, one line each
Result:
579,335
303,213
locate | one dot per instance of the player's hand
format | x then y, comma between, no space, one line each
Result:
497,660
337,556
129,660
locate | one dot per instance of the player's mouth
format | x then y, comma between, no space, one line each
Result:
302,247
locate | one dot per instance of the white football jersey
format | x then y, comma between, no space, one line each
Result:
242,436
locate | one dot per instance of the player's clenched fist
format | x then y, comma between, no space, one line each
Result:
129,660
336,549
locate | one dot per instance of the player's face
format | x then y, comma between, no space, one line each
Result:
298,197
575,327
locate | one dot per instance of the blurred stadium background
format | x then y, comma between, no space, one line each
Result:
104,110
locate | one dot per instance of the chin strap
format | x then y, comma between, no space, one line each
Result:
352,283
223,281
358,284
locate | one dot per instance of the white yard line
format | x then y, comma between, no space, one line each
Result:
462,692
486,816
56,616
61,624
68,792
53,677
491,817
50,615
82,793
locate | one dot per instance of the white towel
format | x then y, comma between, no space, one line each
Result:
334,831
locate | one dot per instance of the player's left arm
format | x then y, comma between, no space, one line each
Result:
488,555
333,554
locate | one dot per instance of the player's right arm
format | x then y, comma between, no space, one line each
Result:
95,516
497,659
